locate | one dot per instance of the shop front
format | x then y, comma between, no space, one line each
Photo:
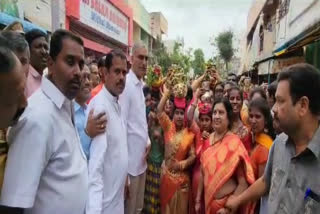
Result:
103,24
11,11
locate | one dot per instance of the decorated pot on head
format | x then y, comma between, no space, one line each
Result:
180,90
211,73
175,75
177,81
154,77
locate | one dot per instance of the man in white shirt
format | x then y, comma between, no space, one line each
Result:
134,111
108,163
46,170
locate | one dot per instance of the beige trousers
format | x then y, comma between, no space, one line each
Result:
134,204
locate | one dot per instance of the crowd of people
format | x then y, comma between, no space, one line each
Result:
94,138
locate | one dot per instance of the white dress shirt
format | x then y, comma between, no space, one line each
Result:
133,107
46,170
108,164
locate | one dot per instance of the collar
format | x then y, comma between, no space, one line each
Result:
53,93
134,77
77,107
34,72
313,146
109,95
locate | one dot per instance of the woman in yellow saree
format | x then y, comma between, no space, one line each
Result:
226,168
260,120
178,158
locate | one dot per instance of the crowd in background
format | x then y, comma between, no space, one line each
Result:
94,138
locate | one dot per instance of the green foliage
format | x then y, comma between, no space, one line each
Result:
225,46
165,60
161,56
198,63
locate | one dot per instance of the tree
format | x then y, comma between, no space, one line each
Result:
178,57
225,46
198,63
161,56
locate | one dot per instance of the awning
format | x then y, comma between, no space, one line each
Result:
7,19
304,38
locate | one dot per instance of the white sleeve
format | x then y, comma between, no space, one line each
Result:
97,153
29,153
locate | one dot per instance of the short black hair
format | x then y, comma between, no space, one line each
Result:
236,88
219,83
258,90
17,43
155,94
262,105
56,43
111,55
101,62
189,93
230,83
7,60
7,57
304,80
146,91
226,103
34,34
272,88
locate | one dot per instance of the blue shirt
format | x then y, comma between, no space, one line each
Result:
80,122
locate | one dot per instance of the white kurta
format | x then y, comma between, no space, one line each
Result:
133,106
108,164
46,170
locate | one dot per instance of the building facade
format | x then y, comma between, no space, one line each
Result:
280,33
102,24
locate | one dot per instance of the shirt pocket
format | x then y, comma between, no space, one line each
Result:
277,178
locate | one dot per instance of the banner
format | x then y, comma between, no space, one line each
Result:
105,18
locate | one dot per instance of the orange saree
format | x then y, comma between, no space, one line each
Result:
175,185
200,146
220,163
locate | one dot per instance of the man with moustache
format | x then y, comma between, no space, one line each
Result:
38,44
95,73
133,105
95,125
101,68
46,170
291,176
108,163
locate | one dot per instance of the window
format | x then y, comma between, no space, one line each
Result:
261,36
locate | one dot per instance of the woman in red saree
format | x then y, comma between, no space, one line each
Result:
226,170
202,133
179,155
238,127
